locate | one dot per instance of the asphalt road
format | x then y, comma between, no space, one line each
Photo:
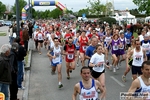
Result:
44,86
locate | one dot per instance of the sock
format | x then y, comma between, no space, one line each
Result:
59,83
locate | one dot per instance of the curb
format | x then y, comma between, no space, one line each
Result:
27,78
27,67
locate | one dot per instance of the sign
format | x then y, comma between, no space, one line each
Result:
2,96
44,3
83,15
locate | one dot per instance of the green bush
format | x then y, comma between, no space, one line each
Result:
108,20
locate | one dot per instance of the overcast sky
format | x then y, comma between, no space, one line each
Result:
76,5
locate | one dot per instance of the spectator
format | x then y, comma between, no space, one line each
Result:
14,66
21,55
5,70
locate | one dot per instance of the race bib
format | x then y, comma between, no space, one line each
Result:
138,59
128,41
57,54
102,65
84,48
115,47
70,56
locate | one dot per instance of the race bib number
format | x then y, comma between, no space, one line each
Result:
40,37
101,65
84,48
70,56
115,47
128,41
138,59
57,54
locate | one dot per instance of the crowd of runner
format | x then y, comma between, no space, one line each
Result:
76,42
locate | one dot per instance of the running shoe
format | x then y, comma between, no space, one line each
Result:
53,72
114,69
117,67
123,78
60,86
68,77
77,65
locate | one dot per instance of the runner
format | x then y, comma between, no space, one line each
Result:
122,48
128,65
142,83
139,56
76,42
107,42
83,40
128,37
40,39
115,51
90,50
87,87
57,60
70,52
146,45
97,62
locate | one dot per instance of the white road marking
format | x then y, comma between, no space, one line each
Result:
117,81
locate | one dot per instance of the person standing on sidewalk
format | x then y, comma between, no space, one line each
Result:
21,55
14,66
5,70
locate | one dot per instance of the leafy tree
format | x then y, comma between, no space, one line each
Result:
22,3
144,5
2,9
134,11
109,8
96,8
83,11
56,13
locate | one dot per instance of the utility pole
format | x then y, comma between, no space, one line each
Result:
17,18
29,10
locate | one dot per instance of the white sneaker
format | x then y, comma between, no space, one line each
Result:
114,69
117,67
22,88
77,65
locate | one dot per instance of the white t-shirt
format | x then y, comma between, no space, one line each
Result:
34,35
97,29
141,38
97,58
148,33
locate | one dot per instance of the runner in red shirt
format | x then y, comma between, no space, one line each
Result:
83,40
67,35
70,52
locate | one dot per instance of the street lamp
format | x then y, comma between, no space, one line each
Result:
126,14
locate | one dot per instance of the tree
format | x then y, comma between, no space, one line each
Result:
56,13
134,11
143,5
83,11
109,8
96,8
22,4
2,9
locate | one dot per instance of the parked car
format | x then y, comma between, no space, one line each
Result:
3,22
8,23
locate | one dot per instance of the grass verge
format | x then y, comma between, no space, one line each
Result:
3,34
